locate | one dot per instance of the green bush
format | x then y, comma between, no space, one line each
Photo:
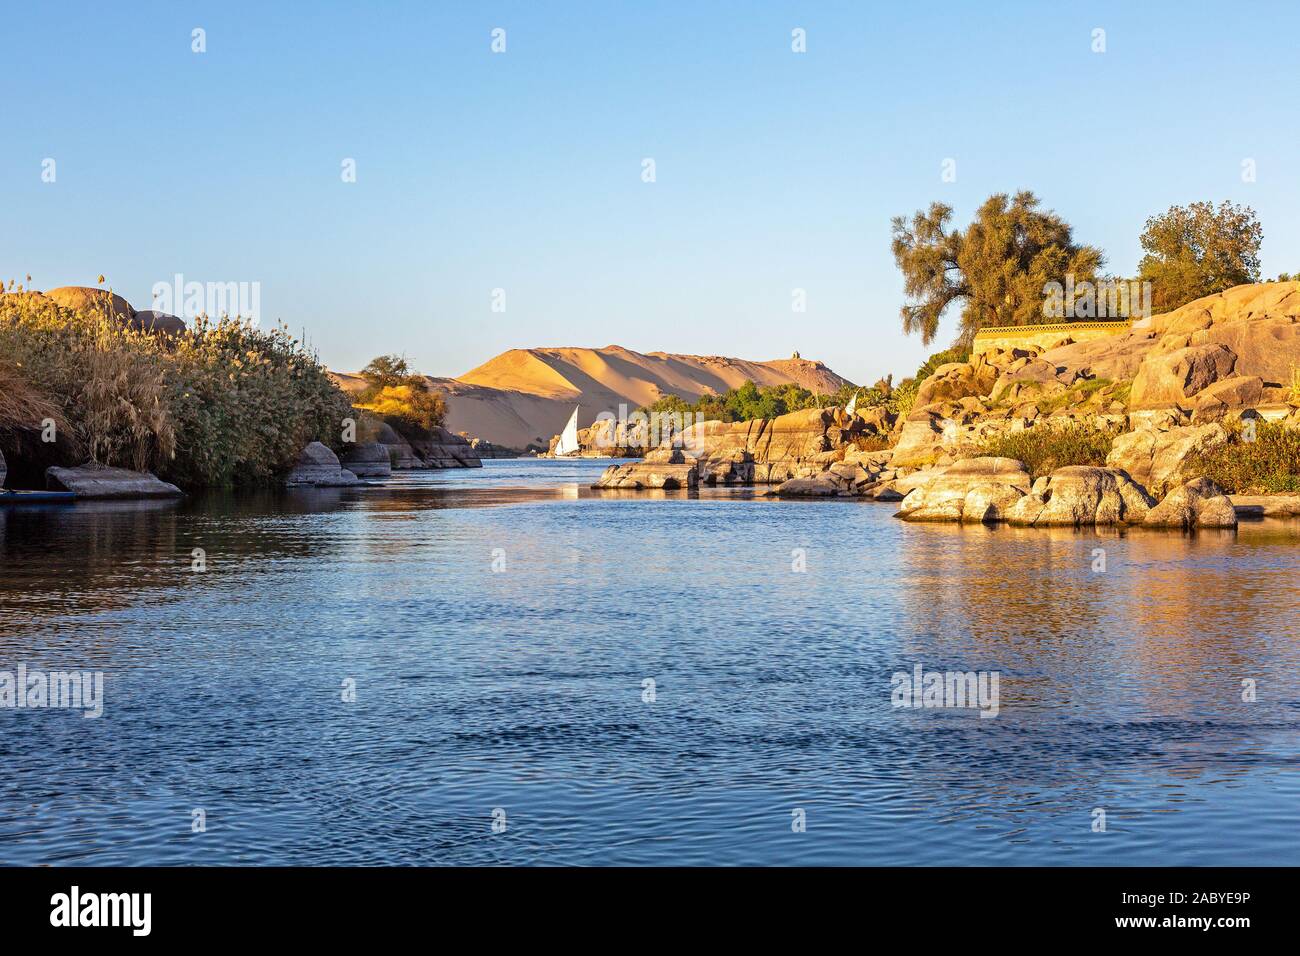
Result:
1044,448
750,401
1268,465
245,402
400,397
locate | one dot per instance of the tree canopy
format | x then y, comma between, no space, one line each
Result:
401,397
1197,250
997,267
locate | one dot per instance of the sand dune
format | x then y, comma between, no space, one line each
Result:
525,396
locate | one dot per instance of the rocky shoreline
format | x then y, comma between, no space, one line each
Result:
1170,389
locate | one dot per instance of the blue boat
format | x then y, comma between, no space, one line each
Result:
37,497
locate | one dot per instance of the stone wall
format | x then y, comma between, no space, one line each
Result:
1044,336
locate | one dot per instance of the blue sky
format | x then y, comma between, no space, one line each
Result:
522,170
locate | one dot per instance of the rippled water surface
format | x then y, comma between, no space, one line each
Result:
521,689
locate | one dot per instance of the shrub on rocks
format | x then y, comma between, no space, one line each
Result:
1267,462
1046,447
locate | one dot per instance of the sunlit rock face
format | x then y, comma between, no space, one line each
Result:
1082,495
1198,504
1154,456
971,490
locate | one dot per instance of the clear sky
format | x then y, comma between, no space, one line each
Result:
523,170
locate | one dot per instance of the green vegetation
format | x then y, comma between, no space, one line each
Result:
1266,465
751,401
997,267
903,398
1044,448
1194,251
400,397
222,403
1100,392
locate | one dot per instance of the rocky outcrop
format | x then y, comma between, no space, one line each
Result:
400,454
486,449
1082,495
611,438
93,480
666,468
366,459
85,299
1251,331
1198,504
1266,506
772,451
860,475
152,321
972,490
1236,392
318,466
1154,456
443,449
1171,378
958,380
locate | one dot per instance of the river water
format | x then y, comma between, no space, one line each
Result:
496,633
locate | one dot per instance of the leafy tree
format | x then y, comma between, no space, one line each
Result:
401,397
749,401
997,267
1197,250
386,370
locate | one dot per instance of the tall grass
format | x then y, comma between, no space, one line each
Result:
219,404
1270,464
1044,448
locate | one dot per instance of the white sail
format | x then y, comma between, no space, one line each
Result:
853,404
568,442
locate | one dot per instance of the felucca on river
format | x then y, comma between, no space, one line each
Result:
568,443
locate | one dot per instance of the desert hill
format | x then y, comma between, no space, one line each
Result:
525,396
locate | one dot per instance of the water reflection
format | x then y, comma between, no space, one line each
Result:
518,682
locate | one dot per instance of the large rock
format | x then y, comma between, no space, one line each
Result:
160,322
1082,495
1266,506
1155,458
772,451
824,485
86,299
93,480
972,490
1174,377
444,449
367,459
1198,504
1238,391
668,475
1115,357
400,453
318,466
958,380
486,449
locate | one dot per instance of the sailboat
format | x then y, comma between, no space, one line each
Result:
853,404
568,443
